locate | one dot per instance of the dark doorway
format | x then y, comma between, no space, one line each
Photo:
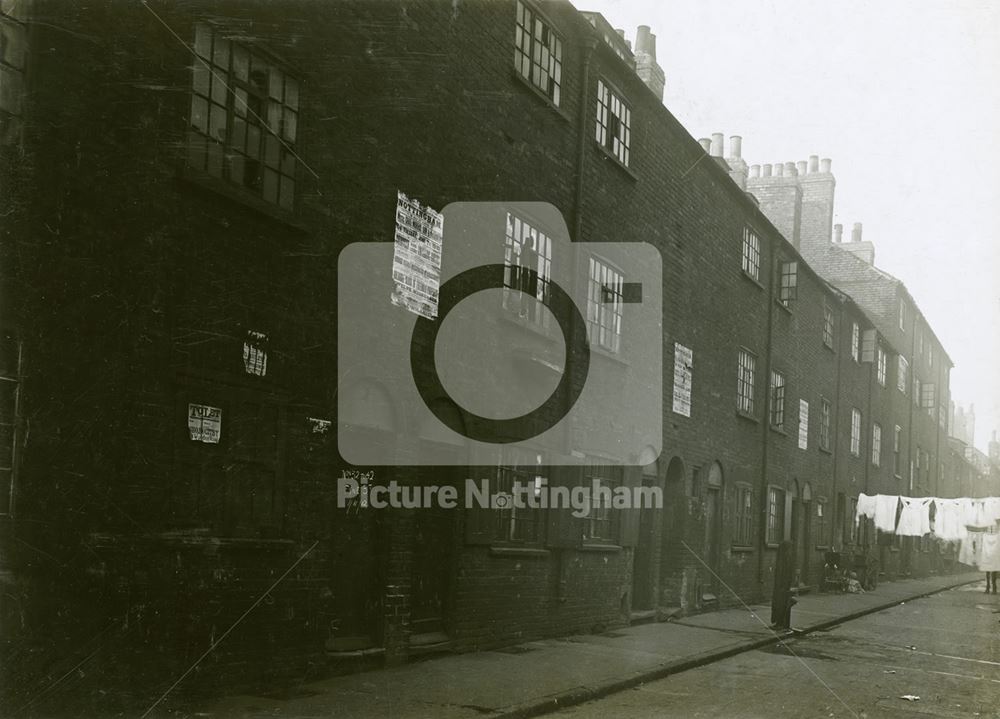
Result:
713,518
643,574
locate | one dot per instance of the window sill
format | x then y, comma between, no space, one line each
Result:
599,351
785,307
596,547
235,194
523,552
546,333
740,549
779,430
751,279
770,545
616,162
826,450
541,96
829,347
747,416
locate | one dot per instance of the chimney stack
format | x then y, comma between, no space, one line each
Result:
646,67
717,143
838,233
856,232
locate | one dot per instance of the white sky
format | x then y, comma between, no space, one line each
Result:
904,96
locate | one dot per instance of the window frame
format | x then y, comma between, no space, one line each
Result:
612,474
750,253
822,522
897,436
746,379
882,364
788,283
243,130
876,444
506,522
776,497
743,514
855,431
776,400
528,65
515,299
856,342
829,328
600,309
616,144
825,423
902,374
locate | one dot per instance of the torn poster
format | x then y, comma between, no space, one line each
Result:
205,423
255,353
683,363
416,262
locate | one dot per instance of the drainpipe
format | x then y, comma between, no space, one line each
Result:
589,45
766,419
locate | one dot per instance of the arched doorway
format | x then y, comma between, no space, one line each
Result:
804,538
443,455
644,574
358,536
673,555
713,517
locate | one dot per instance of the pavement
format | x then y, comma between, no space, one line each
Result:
542,676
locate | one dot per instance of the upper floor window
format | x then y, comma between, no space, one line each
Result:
777,400
881,366
788,291
244,117
901,374
856,432
538,53
902,315
745,377
916,390
751,253
604,305
855,342
614,123
827,325
527,262
930,355
824,423
897,433
876,444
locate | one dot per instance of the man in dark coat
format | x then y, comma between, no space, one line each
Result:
783,595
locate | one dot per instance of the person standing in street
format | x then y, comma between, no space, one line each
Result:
783,594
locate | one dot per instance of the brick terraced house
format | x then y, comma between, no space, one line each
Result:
179,181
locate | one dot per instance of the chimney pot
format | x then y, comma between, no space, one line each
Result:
838,233
717,143
736,147
767,169
705,143
790,169
621,32
754,170
813,163
779,169
824,164
801,165
856,232
644,40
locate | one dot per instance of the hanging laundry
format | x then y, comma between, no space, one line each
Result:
914,520
885,512
865,508
989,555
971,549
991,509
948,524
